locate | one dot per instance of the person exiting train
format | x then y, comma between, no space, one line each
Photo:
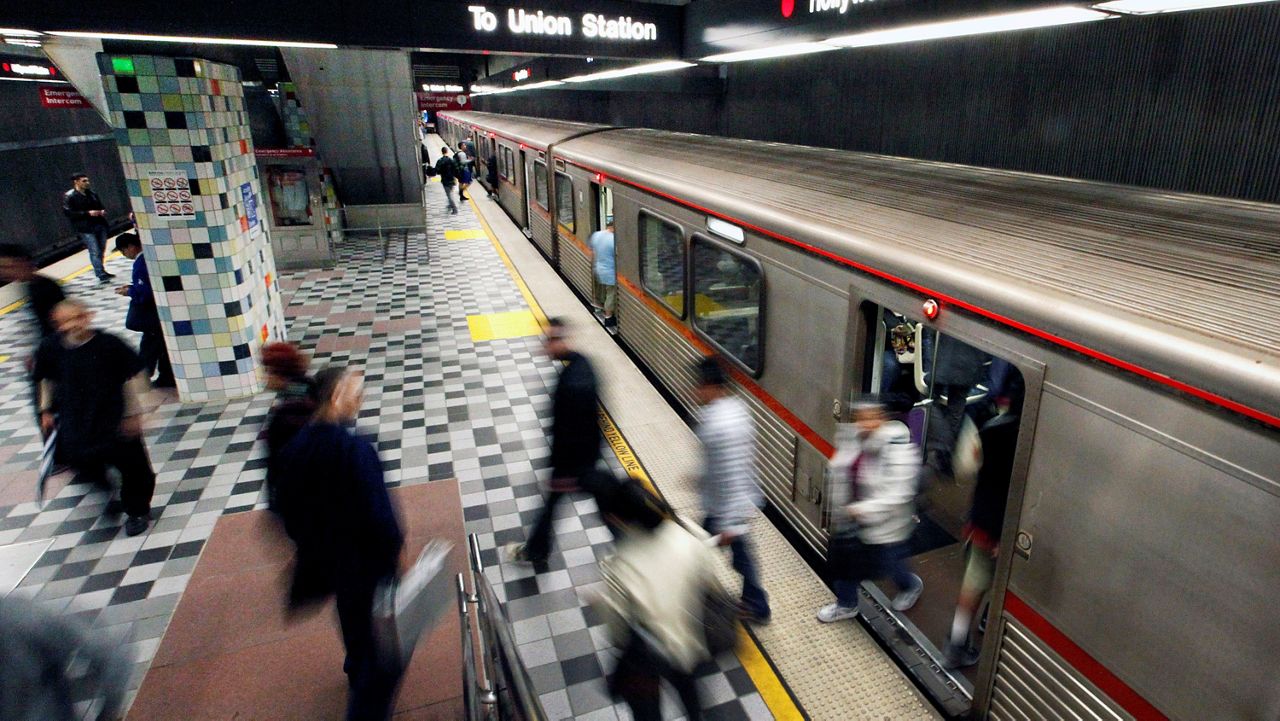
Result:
875,477
575,438
606,274
463,161
727,485
447,169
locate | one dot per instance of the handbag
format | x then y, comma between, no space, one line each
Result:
405,607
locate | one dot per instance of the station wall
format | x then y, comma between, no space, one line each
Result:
1181,102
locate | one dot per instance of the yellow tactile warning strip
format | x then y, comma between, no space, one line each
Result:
496,326
468,234
768,683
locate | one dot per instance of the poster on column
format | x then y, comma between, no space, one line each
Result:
250,205
171,192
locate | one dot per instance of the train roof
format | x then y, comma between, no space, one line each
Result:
1184,286
537,132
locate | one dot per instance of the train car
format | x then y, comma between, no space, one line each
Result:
1138,558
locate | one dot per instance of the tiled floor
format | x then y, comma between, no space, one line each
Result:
441,404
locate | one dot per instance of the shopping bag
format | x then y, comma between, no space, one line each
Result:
46,466
404,608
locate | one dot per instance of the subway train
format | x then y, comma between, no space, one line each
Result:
1139,560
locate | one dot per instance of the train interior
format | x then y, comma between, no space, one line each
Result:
962,407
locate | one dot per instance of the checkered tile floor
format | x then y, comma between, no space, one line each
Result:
440,406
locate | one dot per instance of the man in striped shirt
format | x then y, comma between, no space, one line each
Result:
728,489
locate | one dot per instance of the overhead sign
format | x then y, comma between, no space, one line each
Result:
283,152
443,101
520,21
62,98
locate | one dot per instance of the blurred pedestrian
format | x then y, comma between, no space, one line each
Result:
575,437
465,165
54,663
491,175
295,403
604,263
447,169
43,294
730,494
91,383
143,315
88,216
658,579
875,475
334,502
957,368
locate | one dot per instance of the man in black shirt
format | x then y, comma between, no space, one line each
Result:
90,382
89,217
448,172
43,293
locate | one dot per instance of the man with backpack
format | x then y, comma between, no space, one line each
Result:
875,478
447,169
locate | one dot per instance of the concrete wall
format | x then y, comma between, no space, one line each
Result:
362,110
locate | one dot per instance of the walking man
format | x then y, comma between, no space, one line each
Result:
447,169
143,316
90,384
728,488
575,438
89,218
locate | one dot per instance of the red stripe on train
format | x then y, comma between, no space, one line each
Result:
1080,660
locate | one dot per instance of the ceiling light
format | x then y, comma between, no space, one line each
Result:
543,84
185,39
1144,7
777,51
34,80
19,33
660,67
1060,15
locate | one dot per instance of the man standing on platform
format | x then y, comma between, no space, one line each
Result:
90,385
143,316
89,217
575,437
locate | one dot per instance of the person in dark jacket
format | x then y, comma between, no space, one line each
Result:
957,368
447,169
143,316
295,403
89,218
43,294
336,508
491,175
575,437
998,442
90,382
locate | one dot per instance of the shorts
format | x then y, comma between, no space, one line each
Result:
979,569
608,297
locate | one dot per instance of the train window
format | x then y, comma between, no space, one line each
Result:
511,164
727,298
540,183
662,261
564,202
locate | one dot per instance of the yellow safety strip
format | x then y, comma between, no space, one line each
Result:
3,358
496,326
468,234
773,692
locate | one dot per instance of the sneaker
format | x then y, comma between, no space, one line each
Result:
835,612
136,525
961,656
906,599
611,322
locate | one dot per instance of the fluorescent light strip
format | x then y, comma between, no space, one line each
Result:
1060,15
1146,7
660,67
34,80
776,51
185,39
16,32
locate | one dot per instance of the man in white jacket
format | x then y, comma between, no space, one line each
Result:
874,482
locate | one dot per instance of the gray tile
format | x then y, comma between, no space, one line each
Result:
573,644
588,696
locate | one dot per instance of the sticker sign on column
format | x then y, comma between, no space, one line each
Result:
171,193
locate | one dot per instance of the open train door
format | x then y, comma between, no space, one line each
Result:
525,172
969,407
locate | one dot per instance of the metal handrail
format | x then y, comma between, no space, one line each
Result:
470,704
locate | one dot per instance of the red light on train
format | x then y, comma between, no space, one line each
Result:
523,146
599,178
493,135
931,309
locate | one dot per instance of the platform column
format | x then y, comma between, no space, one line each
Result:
182,122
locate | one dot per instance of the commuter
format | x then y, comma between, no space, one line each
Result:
448,172
957,368
606,274
874,480
727,486
43,294
463,161
286,369
91,382
55,665
657,579
89,218
336,509
491,175
575,438
143,316
998,443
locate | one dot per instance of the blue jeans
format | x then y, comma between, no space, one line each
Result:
448,195
853,562
754,597
95,242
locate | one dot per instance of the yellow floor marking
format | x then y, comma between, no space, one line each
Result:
762,674
3,358
496,326
468,234
19,303
434,179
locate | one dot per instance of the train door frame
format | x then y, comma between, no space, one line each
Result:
980,336
526,172
599,221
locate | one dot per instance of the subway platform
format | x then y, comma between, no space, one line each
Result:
457,394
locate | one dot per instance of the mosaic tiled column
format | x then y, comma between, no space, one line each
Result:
208,254
296,125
